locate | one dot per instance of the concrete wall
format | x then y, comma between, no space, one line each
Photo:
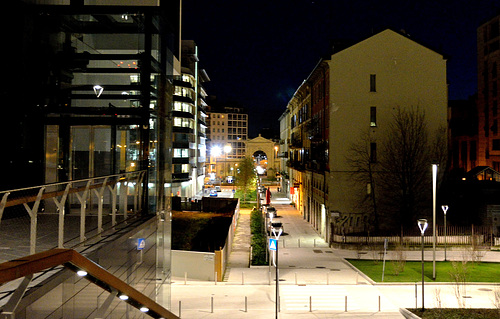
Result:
204,265
197,265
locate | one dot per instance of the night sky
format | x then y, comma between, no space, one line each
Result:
257,53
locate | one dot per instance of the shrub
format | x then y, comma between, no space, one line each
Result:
258,242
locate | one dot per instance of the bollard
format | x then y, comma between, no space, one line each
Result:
314,243
295,279
310,304
250,256
185,278
180,308
284,243
246,304
416,306
212,304
345,303
298,241
243,278
378,303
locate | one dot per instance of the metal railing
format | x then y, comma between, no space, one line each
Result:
27,266
97,198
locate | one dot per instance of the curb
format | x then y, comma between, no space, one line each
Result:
408,314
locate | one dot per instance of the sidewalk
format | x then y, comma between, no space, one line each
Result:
314,281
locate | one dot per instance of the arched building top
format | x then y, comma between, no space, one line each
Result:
265,145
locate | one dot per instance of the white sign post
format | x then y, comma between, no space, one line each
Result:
386,241
273,243
445,209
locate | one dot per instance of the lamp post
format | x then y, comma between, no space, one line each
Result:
215,152
445,209
434,187
227,150
422,225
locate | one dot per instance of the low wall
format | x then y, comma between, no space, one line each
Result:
197,265
204,265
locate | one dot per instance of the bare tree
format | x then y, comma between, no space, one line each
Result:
396,167
362,159
405,164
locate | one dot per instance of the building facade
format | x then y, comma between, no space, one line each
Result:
189,124
227,134
488,64
356,92
90,86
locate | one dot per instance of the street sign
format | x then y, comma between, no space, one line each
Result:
273,243
141,243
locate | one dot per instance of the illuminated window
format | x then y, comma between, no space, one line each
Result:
373,116
181,152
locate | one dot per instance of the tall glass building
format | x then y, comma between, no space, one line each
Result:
90,85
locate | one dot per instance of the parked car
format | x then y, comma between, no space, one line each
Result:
271,209
276,226
213,192
217,188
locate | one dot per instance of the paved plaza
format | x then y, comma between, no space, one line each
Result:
315,281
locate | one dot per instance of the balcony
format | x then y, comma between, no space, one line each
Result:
296,165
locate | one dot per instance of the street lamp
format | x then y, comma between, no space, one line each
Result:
227,150
422,225
215,151
434,187
445,209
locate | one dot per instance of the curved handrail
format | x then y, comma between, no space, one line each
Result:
73,260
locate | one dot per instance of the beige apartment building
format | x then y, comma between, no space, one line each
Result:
365,84
227,134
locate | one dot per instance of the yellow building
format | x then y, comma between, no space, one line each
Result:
366,83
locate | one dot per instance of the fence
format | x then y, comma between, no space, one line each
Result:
77,209
455,235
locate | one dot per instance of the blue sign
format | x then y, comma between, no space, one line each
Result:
141,243
273,243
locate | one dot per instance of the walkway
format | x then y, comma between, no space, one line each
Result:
314,281
240,254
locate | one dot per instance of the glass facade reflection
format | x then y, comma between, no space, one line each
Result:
100,77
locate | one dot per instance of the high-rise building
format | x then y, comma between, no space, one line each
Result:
189,126
487,150
227,134
89,88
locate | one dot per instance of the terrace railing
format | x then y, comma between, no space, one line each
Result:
78,209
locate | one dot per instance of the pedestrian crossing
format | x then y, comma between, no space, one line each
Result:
316,298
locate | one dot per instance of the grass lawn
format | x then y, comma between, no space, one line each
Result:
450,313
476,272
